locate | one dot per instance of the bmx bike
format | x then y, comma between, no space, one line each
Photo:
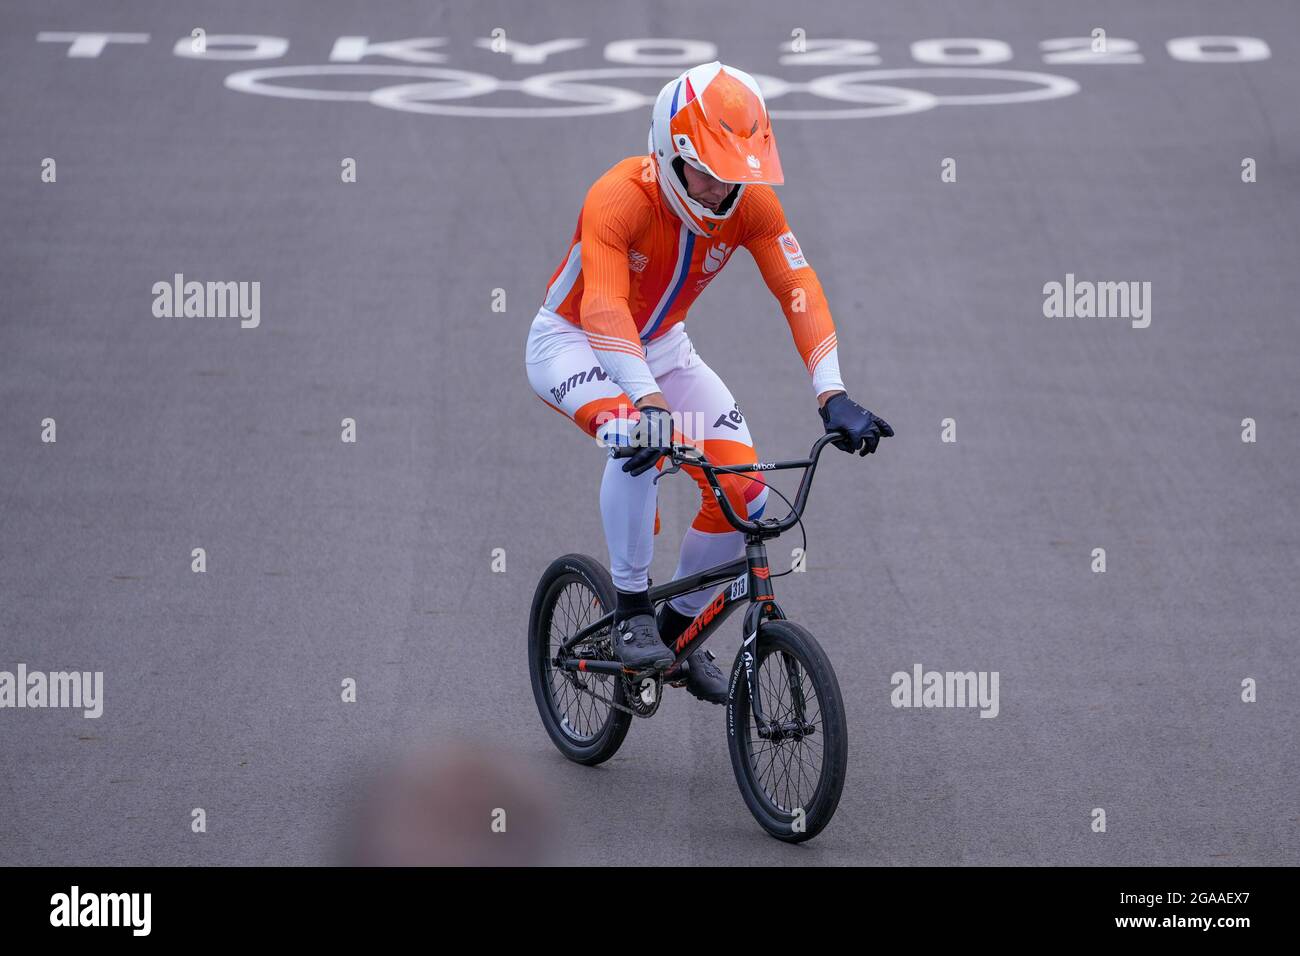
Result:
785,716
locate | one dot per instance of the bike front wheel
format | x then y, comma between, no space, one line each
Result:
791,769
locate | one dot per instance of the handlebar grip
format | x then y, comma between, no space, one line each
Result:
623,451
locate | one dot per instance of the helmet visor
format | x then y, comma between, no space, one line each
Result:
729,129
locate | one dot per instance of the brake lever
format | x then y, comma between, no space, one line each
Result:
680,453
676,466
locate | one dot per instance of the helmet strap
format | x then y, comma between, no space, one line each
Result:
679,163
731,198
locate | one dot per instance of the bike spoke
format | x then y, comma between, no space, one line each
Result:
582,713
787,770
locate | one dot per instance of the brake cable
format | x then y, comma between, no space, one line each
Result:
803,532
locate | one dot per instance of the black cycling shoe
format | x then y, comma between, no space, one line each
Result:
637,645
704,679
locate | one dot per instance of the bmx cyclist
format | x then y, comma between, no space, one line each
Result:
608,349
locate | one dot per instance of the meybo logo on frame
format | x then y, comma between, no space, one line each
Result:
75,689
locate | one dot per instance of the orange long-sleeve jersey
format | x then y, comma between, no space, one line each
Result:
633,269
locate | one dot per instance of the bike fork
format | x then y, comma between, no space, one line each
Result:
762,607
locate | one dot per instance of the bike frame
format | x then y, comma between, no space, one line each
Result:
750,577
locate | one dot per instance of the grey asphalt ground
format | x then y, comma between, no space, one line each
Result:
372,560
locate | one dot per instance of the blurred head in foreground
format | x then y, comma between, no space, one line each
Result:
454,804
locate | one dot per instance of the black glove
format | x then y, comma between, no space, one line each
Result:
653,433
863,429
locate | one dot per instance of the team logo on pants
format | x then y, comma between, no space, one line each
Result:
573,381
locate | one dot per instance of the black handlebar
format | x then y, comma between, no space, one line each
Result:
767,527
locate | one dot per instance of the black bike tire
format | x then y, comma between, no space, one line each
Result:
793,639
561,572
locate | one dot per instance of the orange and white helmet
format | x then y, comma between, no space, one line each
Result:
713,117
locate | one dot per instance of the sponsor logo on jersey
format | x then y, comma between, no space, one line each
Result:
716,257
793,254
753,161
637,261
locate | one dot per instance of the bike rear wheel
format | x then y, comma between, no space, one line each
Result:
792,778
575,707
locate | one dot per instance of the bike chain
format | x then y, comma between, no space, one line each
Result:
604,700
629,691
